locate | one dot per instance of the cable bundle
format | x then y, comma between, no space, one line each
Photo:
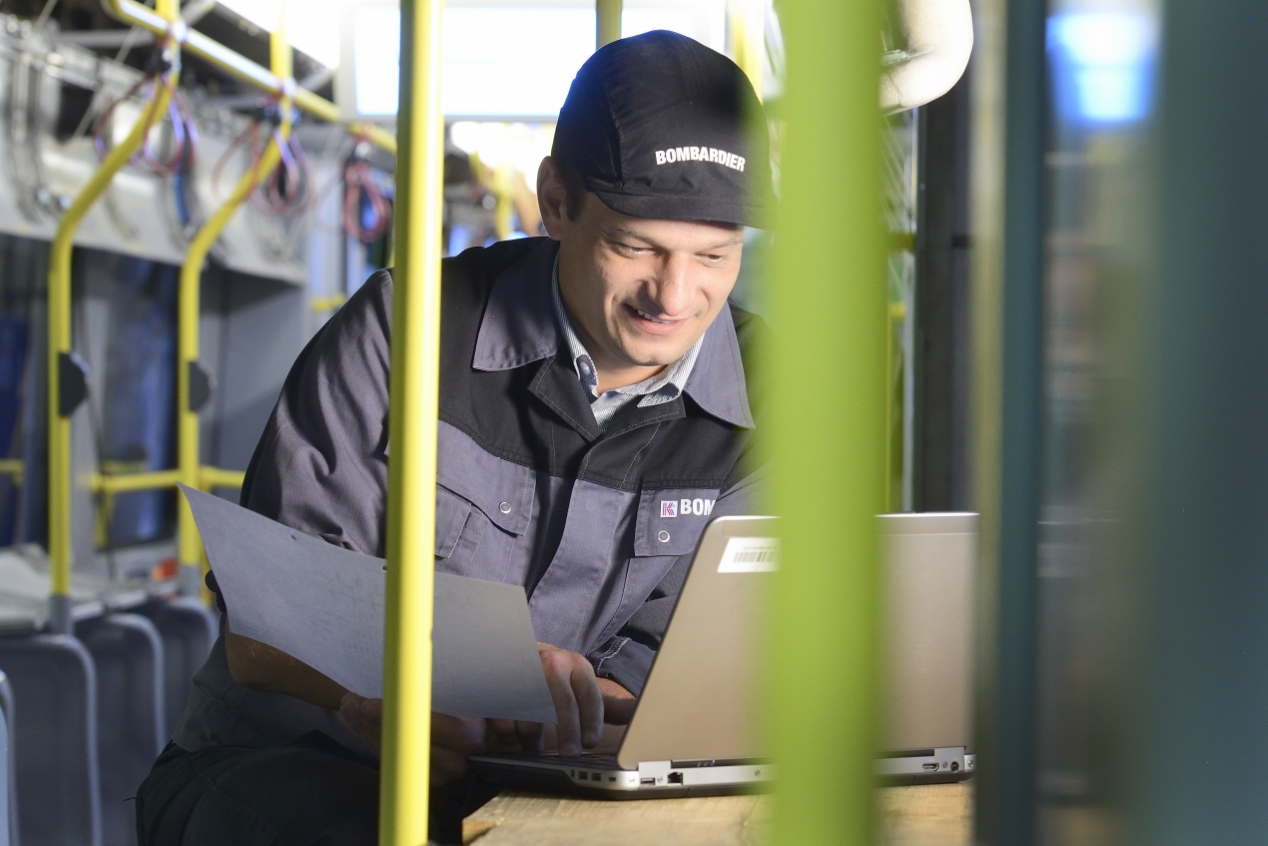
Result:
184,133
287,190
360,188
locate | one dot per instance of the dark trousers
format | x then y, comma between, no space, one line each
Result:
309,792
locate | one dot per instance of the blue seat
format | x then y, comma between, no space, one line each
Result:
131,713
54,678
188,629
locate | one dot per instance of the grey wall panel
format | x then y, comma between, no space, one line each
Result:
255,329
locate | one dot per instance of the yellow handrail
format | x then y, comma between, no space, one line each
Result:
827,425
744,20
135,14
214,477
189,470
15,468
117,483
607,21
411,499
59,322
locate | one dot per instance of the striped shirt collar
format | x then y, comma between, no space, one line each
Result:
655,390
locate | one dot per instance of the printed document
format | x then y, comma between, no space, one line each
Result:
323,605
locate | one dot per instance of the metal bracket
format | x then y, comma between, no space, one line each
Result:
72,382
201,386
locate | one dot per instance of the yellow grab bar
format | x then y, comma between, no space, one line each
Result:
411,495
135,14
59,324
117,483
607,21
189,469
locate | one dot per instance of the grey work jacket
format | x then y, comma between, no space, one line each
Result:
597,526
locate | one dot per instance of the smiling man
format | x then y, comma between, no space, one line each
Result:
594,416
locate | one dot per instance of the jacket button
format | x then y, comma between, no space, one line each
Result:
663,536
504,507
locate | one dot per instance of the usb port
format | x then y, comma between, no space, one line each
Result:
583,776
647,781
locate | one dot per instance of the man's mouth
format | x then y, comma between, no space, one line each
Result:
647,316
662,321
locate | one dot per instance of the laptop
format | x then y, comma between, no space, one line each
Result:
696,729
928,597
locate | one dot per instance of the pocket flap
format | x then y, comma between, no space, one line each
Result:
671,521
502,489
451,515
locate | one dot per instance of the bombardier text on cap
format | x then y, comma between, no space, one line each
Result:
700,154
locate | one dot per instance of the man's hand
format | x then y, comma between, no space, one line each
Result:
582,705
452,738
365,717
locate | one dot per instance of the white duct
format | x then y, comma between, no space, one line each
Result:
939,38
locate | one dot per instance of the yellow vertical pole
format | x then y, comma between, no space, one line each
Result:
60,483
746,27
607,21
190,550
828,424
411,517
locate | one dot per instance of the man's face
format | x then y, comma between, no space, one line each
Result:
641,291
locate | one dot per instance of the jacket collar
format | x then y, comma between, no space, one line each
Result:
519,327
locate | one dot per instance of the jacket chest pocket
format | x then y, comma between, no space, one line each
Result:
481,517
671,521
668,525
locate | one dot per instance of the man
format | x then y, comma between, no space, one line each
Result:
594,416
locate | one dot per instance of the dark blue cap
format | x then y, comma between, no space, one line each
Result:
660,126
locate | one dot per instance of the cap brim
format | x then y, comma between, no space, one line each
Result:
699,209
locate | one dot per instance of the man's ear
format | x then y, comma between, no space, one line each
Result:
552,198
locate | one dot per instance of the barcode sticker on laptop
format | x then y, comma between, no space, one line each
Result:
750,555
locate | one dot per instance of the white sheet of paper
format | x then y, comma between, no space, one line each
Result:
323,605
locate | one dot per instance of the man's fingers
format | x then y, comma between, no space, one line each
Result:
589,702
363,717
372,709
463,735
503,732
558,667
530,735
446,765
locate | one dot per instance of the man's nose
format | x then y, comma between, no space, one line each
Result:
670,290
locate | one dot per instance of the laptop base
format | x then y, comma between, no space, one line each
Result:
602,778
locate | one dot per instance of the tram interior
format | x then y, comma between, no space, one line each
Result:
1022,337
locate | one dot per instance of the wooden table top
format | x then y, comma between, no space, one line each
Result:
923,815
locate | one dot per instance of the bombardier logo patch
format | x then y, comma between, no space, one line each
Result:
700,154
686,507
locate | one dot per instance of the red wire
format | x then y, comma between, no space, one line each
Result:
216,170
358,180
184,132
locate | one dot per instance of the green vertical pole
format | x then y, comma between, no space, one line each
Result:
1009,217
827,369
